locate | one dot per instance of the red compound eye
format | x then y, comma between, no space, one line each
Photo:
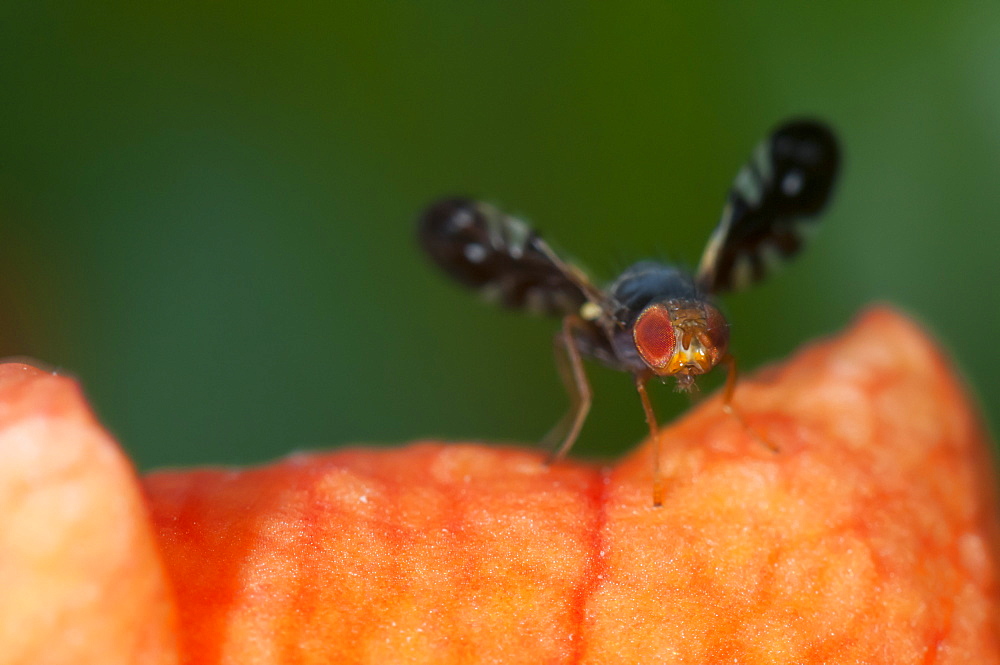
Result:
718,332
654,336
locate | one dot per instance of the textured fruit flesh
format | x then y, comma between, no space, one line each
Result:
870,535
81,580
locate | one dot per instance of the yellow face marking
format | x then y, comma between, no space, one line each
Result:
692,358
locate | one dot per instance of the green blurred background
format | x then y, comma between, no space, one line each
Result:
206,208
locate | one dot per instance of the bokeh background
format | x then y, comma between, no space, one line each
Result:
206,209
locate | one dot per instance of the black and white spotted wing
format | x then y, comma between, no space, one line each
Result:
772,206
501,257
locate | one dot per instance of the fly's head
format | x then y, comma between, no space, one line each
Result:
681,338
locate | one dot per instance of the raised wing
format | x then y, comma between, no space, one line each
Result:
501,257
772,206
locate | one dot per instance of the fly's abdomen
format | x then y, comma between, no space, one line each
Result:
498,255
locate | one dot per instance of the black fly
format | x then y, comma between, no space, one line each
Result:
654,319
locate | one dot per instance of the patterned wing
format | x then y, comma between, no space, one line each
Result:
772,206
501,257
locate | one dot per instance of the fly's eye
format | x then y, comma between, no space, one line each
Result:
718,332
654,336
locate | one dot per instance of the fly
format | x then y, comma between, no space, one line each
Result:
655,319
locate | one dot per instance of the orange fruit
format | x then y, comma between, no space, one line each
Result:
870,535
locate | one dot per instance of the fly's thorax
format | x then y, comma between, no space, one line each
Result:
681,337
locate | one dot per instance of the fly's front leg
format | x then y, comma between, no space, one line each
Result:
730,408
570,365
654,433
732,373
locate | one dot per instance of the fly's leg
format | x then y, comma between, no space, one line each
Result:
730,408
654,432
570,365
